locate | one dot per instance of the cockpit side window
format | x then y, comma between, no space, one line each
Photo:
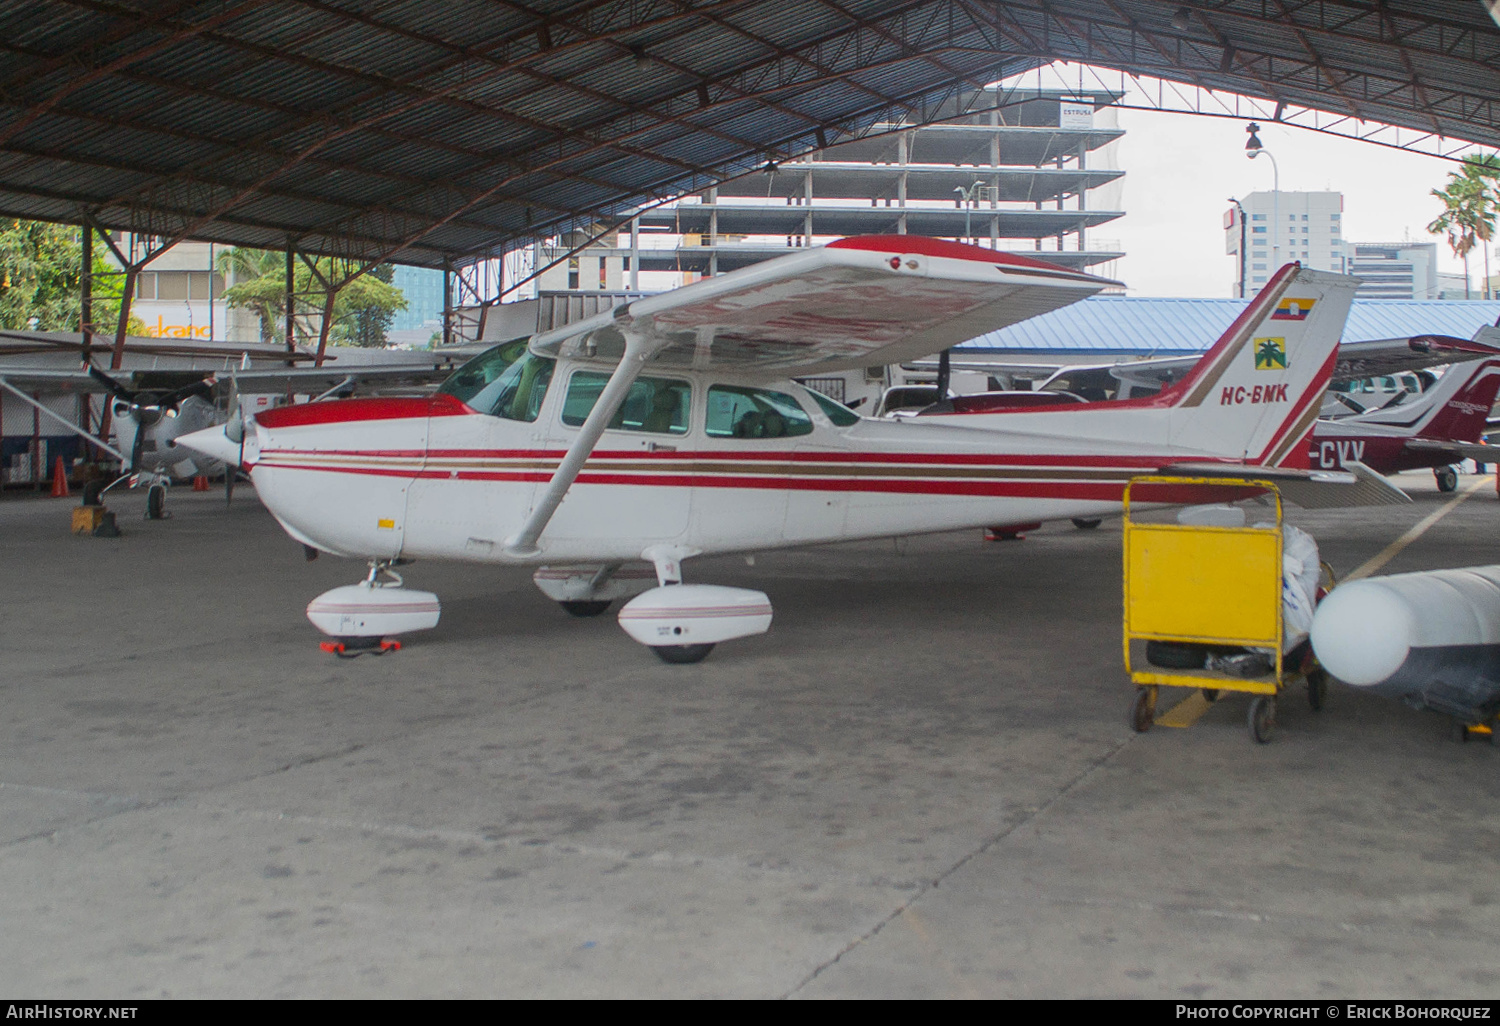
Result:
735,411
507,381
472,377
658,405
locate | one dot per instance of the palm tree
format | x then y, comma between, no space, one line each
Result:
1482,171
242,264
1460,220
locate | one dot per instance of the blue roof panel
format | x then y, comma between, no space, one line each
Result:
1150,326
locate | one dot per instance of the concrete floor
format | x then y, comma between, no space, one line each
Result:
919,784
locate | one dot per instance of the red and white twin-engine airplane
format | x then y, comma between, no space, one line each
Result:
670,427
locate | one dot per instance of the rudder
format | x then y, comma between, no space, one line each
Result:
1255,395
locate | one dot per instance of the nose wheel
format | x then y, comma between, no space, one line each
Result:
362,619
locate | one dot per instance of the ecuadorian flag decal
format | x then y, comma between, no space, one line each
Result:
1270,354
1292,310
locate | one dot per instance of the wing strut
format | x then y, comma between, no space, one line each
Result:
64,422
638,349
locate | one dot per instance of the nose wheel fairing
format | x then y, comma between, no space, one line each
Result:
363,617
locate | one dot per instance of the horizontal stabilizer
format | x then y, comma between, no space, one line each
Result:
1355,485
1458,450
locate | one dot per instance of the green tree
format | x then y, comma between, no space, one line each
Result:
1482,171
40,268
241,264
1469,209
40,277
362,308
370,323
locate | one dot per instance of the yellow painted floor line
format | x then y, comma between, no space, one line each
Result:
1418,529
1188,711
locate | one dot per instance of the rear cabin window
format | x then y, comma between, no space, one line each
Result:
738,412
835,411
657,405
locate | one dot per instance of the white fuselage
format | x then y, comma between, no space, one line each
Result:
383,479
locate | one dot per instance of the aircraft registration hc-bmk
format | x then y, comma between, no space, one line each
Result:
670,427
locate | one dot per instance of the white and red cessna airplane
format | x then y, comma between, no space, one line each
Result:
670,427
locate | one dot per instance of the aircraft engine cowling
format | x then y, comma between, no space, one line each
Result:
695,614
1430,639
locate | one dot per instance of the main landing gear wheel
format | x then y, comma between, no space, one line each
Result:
1210,695
156,501
1086,523
584,607
680,655
1262,718
1317,689
1143,710
1447,478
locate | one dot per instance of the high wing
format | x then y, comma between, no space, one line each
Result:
250,380
45,381
318,380
858,302
1379,357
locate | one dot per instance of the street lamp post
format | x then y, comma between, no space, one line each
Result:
1253,149
944,374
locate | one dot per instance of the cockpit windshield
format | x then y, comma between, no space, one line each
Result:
504,381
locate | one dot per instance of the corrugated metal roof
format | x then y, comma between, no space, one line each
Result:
424,132
1112,326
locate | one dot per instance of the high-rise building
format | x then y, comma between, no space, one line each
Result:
423,289
1034,171
1398,270
1280,227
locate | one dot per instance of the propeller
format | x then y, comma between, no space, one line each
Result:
234,430
146,408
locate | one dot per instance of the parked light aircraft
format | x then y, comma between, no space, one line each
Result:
152,409
1437,429
669,428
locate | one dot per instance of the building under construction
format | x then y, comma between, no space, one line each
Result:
1036,172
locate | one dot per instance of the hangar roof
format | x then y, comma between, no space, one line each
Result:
422,132
1113,326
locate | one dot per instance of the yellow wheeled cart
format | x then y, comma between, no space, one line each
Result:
1197,594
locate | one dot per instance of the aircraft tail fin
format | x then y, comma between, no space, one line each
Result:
1463,397
1255,395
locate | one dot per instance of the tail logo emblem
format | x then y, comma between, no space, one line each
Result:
1293,309
1270,353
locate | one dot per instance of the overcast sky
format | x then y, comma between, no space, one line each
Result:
1181,170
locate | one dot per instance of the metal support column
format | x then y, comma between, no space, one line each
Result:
86,321
291,299
635,254
447,303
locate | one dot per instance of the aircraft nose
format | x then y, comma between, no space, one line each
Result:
212,442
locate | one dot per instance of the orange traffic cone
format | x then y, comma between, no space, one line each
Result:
200,483
59,480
